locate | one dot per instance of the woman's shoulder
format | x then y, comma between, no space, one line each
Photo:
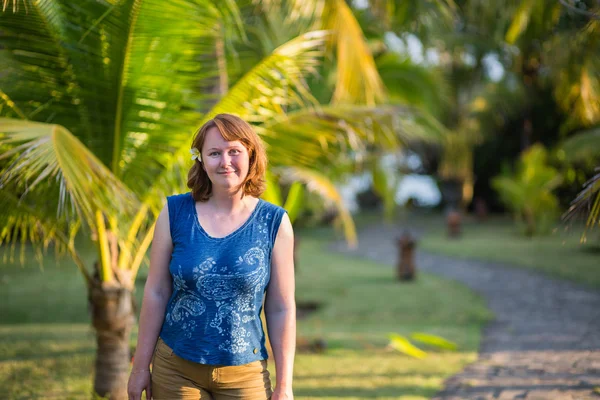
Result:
273,208
175,201
180,196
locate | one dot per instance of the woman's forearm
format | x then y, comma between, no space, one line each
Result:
281,325
151,320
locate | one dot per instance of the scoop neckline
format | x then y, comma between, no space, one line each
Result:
240,228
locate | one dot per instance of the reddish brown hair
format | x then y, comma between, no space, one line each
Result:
232,128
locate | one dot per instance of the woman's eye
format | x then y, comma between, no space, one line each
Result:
214,153
234,151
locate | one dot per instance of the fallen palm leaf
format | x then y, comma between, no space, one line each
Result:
434,340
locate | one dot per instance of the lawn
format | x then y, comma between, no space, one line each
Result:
558,254
47,346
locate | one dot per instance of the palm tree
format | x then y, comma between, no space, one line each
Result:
96,104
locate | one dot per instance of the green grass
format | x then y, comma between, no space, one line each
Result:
47,346
558,254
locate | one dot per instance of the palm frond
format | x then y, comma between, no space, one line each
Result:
46,159
318,183
358,81
119,76
326,136
277,83
587,202
38,225
39,79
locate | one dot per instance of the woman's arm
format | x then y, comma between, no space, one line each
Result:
157,292
280,309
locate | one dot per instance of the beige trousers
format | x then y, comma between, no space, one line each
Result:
174,378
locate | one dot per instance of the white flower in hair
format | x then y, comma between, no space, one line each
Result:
195,154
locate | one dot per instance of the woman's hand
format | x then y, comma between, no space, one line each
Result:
138,382
282,394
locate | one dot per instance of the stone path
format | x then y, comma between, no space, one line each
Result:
544,343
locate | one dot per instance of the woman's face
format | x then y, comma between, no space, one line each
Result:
226,163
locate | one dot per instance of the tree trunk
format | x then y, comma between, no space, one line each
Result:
113,319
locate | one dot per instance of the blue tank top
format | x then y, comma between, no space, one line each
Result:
213,315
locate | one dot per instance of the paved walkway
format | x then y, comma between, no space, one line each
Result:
544,342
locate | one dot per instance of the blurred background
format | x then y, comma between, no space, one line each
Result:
468,129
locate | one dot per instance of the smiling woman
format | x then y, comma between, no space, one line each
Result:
217,252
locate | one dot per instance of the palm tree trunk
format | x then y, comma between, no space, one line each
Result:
113,319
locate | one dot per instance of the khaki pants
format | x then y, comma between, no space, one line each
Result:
174,378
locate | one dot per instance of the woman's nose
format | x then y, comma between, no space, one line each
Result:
225,159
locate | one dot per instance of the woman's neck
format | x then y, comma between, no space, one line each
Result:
228,203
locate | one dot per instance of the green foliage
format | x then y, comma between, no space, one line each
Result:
528,191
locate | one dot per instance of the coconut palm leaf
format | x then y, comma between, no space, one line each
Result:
56,185
26,224
434,340
403,345
45,158
318,183
323,136
118,84
588,202
277,83
358,81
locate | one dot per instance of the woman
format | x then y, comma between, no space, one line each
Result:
216,252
